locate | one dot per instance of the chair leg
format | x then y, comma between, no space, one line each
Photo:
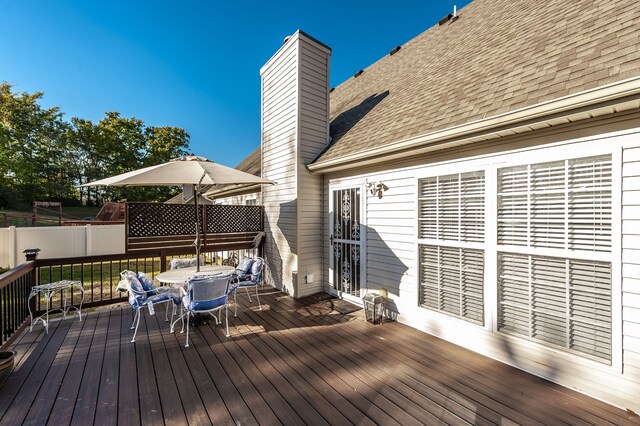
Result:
173,323
226,317
258,297
235,304
248,295
187,343
134,312
137,324
166,312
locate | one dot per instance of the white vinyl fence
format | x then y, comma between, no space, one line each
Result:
60,241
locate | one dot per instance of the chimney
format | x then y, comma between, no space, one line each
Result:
295,129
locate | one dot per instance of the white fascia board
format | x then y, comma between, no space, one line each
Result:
456,135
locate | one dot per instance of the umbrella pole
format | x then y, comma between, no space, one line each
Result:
195,202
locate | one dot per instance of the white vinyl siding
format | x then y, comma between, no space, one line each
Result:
562,209
295,129
313,130
631,262
279,109
452,215
393,251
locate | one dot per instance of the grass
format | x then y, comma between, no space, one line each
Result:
99,279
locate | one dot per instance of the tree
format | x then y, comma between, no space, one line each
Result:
29,137
44,157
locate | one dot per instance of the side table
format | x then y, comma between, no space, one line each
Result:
48,290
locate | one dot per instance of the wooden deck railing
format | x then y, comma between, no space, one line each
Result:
99,276
156,226
15,286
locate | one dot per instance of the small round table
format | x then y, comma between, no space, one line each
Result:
177,276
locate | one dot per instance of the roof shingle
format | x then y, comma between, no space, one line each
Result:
501,55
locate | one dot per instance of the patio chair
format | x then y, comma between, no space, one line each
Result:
150,287
138,298
205,294
185,262
247,277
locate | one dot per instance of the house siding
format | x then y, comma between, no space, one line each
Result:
279,109
314,131
631,262
295,129
240,200
391,256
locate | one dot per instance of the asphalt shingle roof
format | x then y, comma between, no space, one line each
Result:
499,56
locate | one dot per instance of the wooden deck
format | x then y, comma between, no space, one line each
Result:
291,363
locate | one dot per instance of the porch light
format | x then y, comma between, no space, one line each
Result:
374,307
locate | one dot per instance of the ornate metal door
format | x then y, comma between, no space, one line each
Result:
346,242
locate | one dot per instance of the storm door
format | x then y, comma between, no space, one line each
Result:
346,242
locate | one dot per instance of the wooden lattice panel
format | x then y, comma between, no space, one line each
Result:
222,219
155,220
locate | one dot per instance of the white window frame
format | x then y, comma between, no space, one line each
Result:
602,145
437,242
443,170
568,151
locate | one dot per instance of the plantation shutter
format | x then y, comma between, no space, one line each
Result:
563,207
452,209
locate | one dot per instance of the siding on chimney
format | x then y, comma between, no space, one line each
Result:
295,129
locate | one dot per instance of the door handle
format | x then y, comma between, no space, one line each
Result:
331,239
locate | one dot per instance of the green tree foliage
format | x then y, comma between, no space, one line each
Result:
43,157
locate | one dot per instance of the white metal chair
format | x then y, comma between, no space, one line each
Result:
247,277
150,287
139,298
205,294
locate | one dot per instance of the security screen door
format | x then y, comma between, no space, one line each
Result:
346,242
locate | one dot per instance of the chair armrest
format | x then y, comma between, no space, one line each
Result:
141,293
243,277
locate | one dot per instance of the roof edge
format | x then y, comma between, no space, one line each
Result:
242,190
586,98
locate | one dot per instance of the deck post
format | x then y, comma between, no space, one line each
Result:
31,255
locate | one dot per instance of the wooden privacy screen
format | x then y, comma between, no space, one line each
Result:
154,226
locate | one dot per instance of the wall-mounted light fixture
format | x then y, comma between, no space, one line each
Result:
377,188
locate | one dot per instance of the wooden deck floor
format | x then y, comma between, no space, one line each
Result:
291,363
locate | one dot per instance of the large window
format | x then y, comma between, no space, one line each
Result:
554,253
451,235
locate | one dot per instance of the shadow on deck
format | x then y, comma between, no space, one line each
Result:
291,363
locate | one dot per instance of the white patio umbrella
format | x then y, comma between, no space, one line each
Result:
187,170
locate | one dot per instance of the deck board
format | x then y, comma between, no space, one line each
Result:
290,363
62,411
107,409
128,408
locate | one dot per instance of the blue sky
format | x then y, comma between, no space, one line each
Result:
191,64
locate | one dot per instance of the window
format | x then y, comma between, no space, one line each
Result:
451,235
251,202
554,253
